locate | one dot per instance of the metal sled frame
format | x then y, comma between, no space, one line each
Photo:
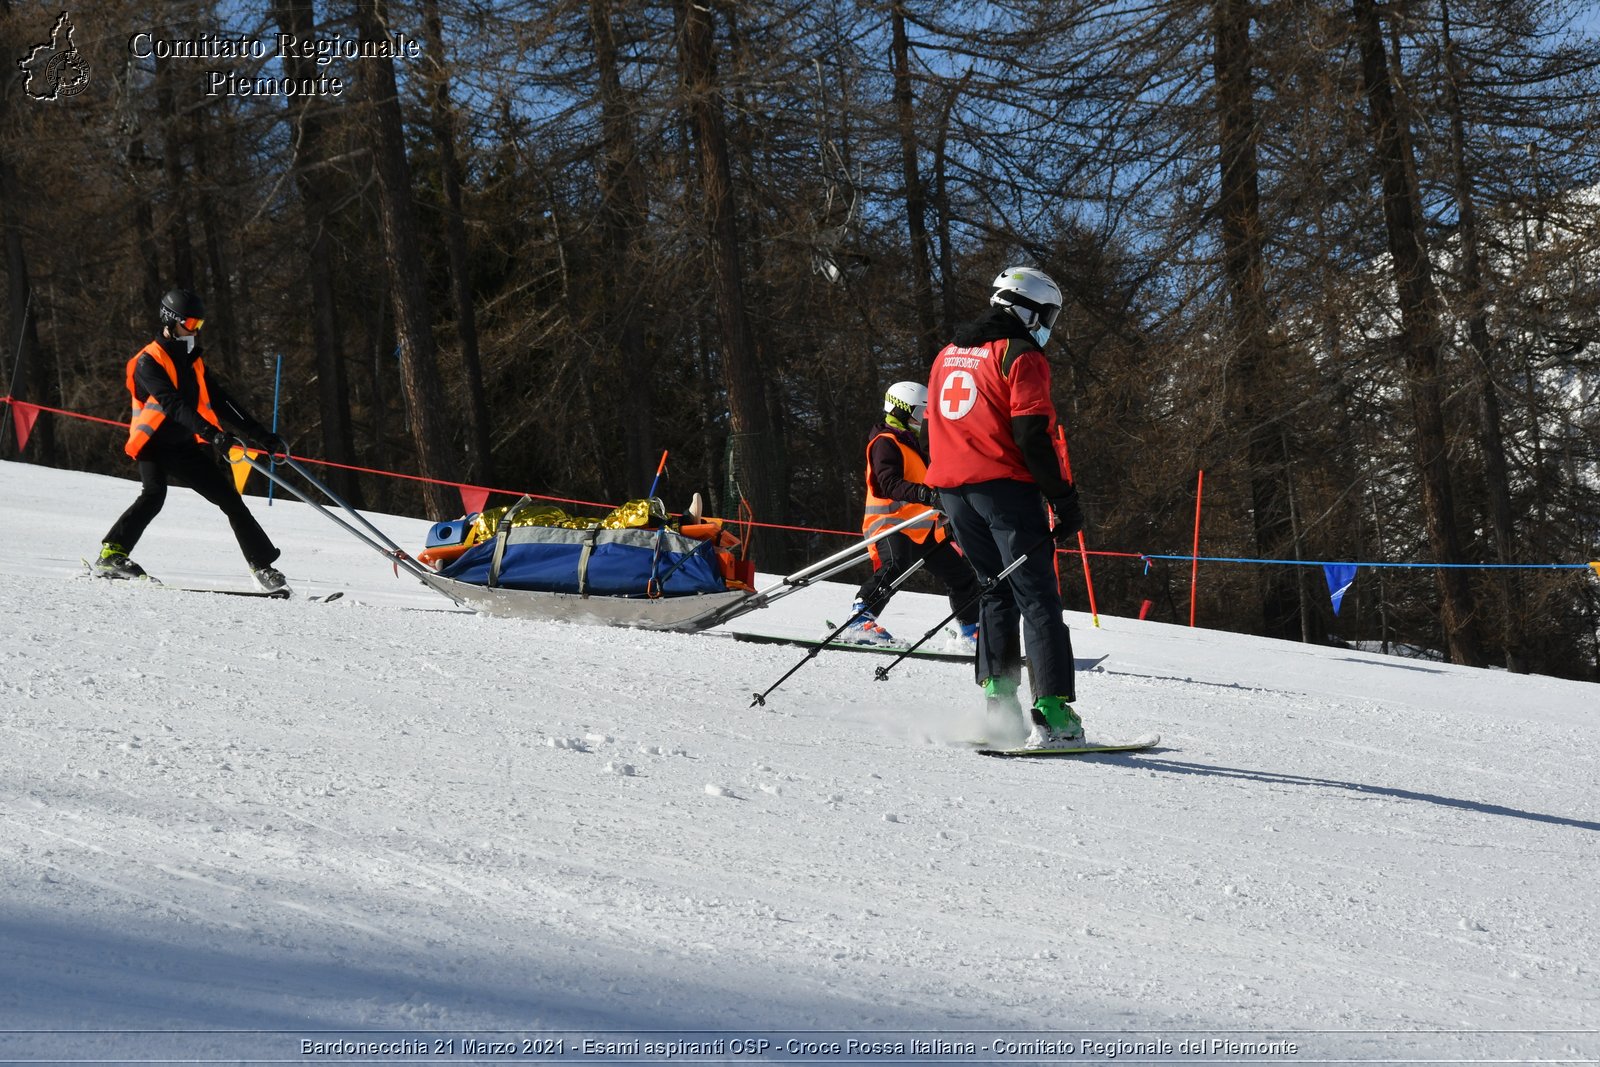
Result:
682,614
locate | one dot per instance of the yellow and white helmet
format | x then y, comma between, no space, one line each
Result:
907,401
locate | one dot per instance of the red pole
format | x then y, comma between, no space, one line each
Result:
1083,550
1194,565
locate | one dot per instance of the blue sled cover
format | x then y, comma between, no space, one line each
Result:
594,562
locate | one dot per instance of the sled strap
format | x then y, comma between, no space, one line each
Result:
502,534
589,538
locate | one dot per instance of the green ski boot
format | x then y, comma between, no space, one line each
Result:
113,562
1055,724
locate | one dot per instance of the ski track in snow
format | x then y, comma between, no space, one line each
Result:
226,813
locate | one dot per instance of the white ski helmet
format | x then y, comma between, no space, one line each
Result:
907,400
1030,295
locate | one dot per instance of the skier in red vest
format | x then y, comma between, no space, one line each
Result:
176,409
991,421
896,491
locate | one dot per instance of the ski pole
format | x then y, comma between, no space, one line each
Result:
761,698
983,591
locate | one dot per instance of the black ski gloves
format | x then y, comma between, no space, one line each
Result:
221,440
1032,435
1069,518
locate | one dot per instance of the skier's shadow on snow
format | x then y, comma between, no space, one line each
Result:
1275,778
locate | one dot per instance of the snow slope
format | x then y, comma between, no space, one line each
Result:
229,826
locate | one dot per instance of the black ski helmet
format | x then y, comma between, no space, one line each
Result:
180,304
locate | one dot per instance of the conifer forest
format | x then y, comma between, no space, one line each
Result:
1342,256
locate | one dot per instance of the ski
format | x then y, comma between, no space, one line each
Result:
262,594
259,594
883,650
1088,748
891,650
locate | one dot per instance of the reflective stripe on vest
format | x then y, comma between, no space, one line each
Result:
148,414
882,513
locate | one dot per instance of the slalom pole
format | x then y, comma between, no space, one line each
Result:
1083,547
277,386
811,654
1194,565
882,673
657,480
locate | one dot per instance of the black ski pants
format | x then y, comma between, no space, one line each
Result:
996,522
897,553
194,466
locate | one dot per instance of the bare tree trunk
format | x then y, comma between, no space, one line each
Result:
1252,382
622,219
929,340
442,120
757,452
182,247
307,127
1421,338
30,379
408,283
144,227
949,315
1491,437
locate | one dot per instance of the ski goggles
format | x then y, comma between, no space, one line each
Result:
192,325
1047,313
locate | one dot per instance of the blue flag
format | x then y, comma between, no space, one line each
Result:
1340,577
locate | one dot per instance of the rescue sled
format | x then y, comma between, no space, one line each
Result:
636,567
653,574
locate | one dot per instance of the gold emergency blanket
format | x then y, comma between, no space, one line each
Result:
633,514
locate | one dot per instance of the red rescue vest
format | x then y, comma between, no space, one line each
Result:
148,414
971,401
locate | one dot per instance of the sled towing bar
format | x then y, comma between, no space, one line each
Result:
373,537
819,571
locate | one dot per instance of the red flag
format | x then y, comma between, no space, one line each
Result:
26,414
473,498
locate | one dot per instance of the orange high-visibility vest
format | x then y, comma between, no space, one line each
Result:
882,513
148,414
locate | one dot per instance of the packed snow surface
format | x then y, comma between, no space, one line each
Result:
230,827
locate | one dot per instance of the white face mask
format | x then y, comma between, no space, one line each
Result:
188,343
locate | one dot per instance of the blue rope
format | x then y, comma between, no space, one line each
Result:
1359,563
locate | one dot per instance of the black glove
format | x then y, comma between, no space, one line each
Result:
221,440
1069,519
928,496
273,443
